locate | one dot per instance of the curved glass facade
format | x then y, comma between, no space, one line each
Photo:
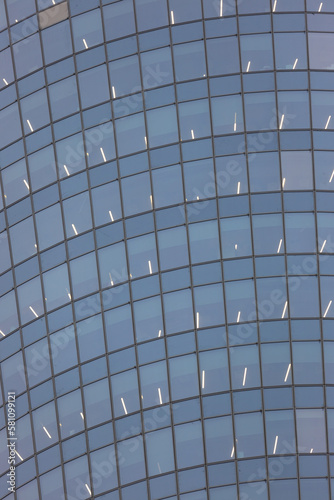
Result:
167,248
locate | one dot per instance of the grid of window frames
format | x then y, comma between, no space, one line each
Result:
166,248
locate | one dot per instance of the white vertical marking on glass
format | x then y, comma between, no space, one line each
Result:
172,16
88,489
275,4
2,333
5,81
238,189
275,446
287,372
29,124
192,134
323,246
159,467
145,139
33,311
203,379
235,122
330,303
330,180
248,66
26,184
66,170
238,318
151,200
82,415
47,433
17,453
85,43
279,245
294,66
284,310
283,182
245,375
113,92
221,8
329,119
197,320
103,155
150,266
282,120
68,294
74,229
320,7
124,407
160,398
111,280
111,216
159,334
311,450
232,452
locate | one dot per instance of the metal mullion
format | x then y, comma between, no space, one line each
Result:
318,258
70,282
22,349
154,211
200,395
228,348
93,230
285,258
266,480
67,259
120,485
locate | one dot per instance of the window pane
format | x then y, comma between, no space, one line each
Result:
48,234
219,439
214,371
236,238
159,449
249,435
228,60
64,98
148,319
297,172
162,126
184,377
125,392
154,384
87,28
321,55
290,51
189,445
57,42
311,431
256,53
94,86
189,60
27,55
227,115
